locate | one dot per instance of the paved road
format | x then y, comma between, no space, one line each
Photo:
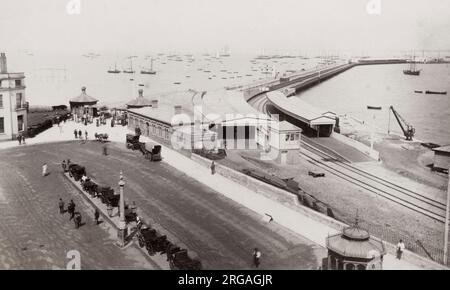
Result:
221,232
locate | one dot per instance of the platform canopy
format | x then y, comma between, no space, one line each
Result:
300,109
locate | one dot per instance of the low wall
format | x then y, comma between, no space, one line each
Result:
357,145
290,200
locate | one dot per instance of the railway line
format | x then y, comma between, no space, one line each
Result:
405,197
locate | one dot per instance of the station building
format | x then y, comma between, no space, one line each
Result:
13,107
83,106
219,119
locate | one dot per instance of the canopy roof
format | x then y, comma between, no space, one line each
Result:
83,98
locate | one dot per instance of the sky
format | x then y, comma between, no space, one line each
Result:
246,26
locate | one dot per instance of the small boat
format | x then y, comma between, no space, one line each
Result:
130,70
114,71
435,93
141,85
419,92
177,83
149,71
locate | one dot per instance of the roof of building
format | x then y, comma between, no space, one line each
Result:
286,126
140,101
355,242
83,98
214,106
445,148
300,109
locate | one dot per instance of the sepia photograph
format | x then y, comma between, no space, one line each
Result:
231,135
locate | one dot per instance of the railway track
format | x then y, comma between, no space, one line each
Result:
405,197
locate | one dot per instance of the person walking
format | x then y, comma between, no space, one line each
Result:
256,257
44,169
96,216
105,150
86,134
23,139
213,168
80,134
400,249
71,209
61,206
19,138
75,132
77,220
64,166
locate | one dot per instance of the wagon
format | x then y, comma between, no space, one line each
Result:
107,196
132,142
181,261
151,151
151,240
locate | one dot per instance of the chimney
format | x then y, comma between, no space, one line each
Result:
178,109
3,66
154,103
141,93
83,90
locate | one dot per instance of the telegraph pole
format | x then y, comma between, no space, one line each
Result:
446,223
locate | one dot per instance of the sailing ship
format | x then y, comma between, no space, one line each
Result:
149,71
115,70
130,70
412,68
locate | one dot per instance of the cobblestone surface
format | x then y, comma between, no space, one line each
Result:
219,231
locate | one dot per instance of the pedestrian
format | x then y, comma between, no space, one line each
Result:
44,169
105,150
19,138
64,166
86,134
23,139
75,132
71,209
68,164
256,257
80,134
213,168
61,206
77,220
96,216
400,249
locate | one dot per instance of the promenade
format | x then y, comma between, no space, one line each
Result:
284,216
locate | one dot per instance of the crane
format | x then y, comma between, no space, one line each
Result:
408,129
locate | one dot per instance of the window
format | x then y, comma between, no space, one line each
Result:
287,137
20,123
297,137
18,100
1,101
292,137
18,83
2,125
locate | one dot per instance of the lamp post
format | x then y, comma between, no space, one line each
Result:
122,232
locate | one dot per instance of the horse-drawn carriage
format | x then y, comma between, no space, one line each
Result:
151,240
151,151
132,142
76,171
180,260
102,137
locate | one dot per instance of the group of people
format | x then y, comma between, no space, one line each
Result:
79,134
76,216
21,139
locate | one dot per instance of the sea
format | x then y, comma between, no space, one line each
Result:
54,78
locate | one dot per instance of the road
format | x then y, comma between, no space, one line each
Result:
219,231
